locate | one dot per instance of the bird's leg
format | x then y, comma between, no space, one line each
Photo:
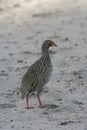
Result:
40,103
27,105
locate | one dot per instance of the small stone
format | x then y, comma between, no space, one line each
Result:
75,73
2,71
58,81
17,5
76,44
45,113
11,120
59,99
12,126
1,9
66,39
80,77
20,61
11,54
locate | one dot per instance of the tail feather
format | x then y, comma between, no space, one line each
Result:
22,96
23,91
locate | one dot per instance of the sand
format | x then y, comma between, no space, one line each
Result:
24,24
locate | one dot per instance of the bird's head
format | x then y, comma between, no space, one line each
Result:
48,43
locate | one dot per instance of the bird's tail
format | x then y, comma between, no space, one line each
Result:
22,94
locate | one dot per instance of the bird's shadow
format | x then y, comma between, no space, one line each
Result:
52,106
7,105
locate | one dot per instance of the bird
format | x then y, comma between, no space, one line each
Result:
37,75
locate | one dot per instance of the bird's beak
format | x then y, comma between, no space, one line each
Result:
54,45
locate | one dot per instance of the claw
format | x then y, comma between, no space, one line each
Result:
29,107
40,103
42,106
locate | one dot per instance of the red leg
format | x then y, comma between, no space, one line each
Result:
27,105
40,103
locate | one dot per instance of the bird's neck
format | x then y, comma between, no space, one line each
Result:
45,52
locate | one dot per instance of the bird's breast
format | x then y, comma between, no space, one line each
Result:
46,72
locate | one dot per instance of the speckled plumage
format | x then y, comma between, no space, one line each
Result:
39,73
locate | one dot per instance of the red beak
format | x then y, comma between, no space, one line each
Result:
54,45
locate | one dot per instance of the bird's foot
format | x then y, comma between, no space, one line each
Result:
42,106
29,107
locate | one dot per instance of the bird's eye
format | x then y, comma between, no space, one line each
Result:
49,43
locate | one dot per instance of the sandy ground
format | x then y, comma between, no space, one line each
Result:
24,24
